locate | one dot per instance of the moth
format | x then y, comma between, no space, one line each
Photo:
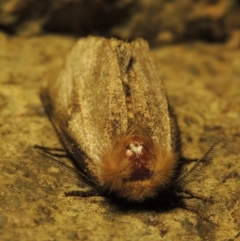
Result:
110,110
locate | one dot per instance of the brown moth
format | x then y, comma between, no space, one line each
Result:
110,109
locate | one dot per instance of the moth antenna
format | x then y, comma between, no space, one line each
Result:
70,171
199,165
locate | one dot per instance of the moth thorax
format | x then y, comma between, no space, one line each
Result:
139,157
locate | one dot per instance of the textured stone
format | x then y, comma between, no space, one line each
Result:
160,22
203,85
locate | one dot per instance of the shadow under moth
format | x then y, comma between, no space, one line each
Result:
111,112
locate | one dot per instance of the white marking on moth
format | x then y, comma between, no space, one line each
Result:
136,148
129,153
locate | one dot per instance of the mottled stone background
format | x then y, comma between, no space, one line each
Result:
196,46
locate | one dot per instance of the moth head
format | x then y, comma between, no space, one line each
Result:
135,168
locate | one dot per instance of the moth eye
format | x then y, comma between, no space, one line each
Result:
139,157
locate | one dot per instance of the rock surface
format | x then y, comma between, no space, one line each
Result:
203,83
159,22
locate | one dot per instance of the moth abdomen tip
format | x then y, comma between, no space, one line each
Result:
136,168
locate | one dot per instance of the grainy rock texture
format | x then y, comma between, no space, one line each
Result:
203,84
159,22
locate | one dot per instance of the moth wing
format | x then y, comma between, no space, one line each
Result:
86,104
149,99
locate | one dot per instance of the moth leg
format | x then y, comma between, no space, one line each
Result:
187,160
49,148
77,193
202,215
52,151
196,195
